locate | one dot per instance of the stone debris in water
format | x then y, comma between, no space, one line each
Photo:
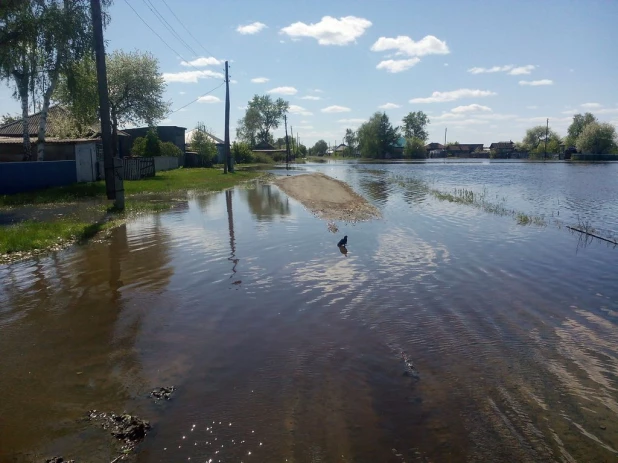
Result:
128,428
162,393
58,460
410,369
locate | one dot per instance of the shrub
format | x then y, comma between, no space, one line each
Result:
153,144
415,149
139,147
169,149
262,158
242,154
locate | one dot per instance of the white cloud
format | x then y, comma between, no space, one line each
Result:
208,99
295,109
252,28
310,97
477,70
191,76
607,111
389,106
202,62
304,127
336,109
591,105
446,64
441,97
472,108
260,80
317,90
397,65
428,45
330,31
182,93
522,70
283,91
532,107
552,120
351,121
466,122
536,83
232,81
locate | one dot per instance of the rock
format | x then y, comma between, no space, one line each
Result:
58,460
128,428
166,392
603,427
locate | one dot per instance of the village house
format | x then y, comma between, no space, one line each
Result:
502,148
467,150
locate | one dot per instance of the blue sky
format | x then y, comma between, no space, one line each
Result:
487,70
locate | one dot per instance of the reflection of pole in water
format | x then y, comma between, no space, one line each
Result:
230,224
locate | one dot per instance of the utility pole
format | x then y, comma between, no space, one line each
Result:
292,136
287,142
546,133
228,166
113,166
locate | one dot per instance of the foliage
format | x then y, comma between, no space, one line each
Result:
320,148
65,126
415,126
139,147
415,149
452,143
203,145
78,92
9,119
302,150
598,138
170,150
534,140
262,116
262,158
377,137
242,153
152,145
577,127
351,140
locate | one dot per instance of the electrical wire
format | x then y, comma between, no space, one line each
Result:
167,25
207,93
188,31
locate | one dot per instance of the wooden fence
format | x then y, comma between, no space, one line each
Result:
138,168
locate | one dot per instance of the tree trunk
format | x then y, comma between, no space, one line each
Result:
40,147
22,88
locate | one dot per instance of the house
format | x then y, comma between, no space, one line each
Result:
341,149
466,150
166,133
434,147
502,148
55,149
220,144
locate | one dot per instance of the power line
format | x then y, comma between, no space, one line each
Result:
167,25
188,31
207,93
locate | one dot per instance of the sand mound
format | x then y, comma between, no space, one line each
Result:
328,198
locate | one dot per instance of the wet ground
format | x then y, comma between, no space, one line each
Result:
445,333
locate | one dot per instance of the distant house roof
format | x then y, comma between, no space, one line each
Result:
341,147
15,129
434,146
465,147
214,139
264,146
502,145
400,143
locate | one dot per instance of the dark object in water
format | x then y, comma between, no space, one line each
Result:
410,369
127,428
343,250
164,392
343,241
59,460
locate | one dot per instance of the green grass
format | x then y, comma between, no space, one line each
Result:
31,236
162,182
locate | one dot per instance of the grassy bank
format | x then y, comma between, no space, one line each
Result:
162,182
30,237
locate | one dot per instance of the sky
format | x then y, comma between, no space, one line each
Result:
484,70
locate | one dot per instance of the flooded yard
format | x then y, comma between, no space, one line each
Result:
446,333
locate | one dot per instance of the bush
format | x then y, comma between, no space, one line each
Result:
204,147
415,149
597,138
139,147
262,158
242,154
153,144
169,149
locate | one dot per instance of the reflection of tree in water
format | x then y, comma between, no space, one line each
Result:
265,202
204,201
377,190
72,348
415,191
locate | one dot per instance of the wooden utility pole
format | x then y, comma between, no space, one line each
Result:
292,135
546,133
228,160
113,166
287,141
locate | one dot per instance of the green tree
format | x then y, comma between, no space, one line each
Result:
169,149
577,127
415,149
202,144
351,140
377,137
598,138
139,147
153,143
135,85
415,126
263,115
9,119
534,140
242,153
320,148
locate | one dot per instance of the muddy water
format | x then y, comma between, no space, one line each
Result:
284,349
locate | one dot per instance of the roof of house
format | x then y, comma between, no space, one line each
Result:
214,139
465,147
15,129
502,144
57,141
263,146
341,147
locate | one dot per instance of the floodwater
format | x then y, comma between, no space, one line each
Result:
284,349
